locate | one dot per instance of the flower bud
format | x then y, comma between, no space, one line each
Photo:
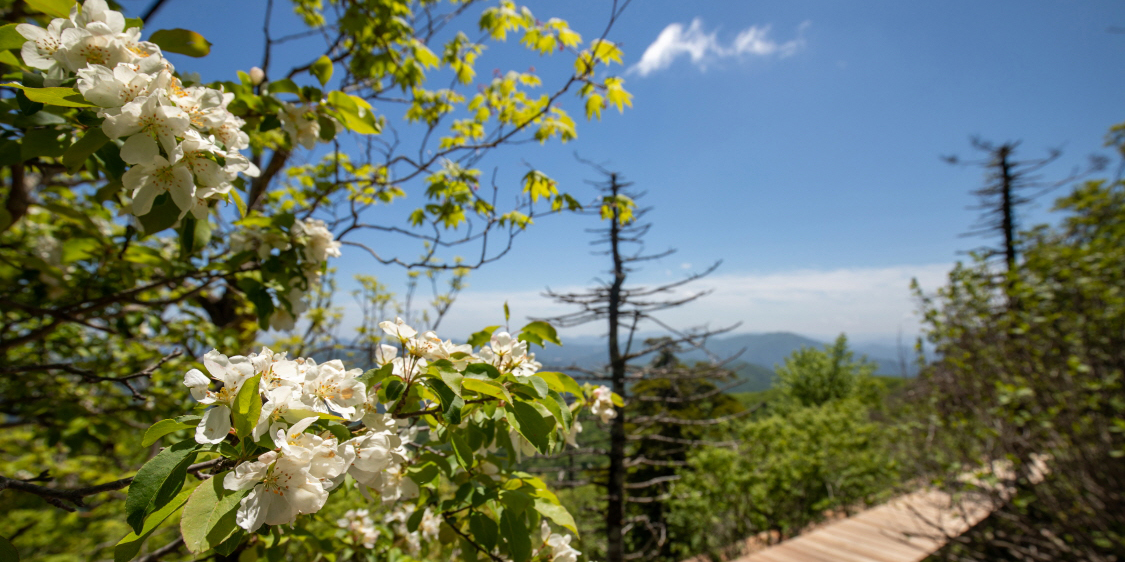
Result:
257,75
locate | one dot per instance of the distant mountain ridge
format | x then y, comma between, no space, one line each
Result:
754,355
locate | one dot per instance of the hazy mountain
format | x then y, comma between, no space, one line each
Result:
758,352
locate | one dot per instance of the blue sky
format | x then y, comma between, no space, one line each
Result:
800,144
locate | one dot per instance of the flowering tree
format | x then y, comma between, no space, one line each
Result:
152,220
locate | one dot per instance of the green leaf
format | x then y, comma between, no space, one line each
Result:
53,8
283,86
374,376
539,385
482,337
10,38
44,142
394,389
424,473
128,547
415,520
560,382
130,23
514,500
182,41
322,69
558,408
6,57
86,146
452,379
484,529
451,403
486,387
158,481
338,430
209,516
247,407
162,428
8,553
194,235
556,513
164,214
530,423
482,368
354,112
63,97
462,451
543,331
515,534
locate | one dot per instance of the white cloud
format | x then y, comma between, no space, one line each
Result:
703,47
867,303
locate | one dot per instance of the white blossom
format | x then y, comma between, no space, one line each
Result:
359,527
602,405
300,123
160,175
330,388
282,488
232,372
561,551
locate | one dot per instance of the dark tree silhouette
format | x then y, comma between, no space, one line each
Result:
670,407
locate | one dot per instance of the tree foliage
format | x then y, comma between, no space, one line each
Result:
149,218
818,450
1037,385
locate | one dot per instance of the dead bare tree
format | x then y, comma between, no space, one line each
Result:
670,407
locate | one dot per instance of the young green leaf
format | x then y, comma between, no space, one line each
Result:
558,408
209,516
484,530
486,387
560,382
63,97
481,368
322,69
53,8
128,547
162,428
530,423
514,531
374,376
247,407
10,38
158,481
480,338
556,513
462,451
543,330
182,41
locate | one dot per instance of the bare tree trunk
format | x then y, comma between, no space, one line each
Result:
615,512
1008,222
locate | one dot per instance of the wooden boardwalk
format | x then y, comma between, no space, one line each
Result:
906,529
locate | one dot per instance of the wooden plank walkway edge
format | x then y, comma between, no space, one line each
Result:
908,528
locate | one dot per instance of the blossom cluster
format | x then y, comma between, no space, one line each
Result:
301,466
359,528
603,404
316,243
559,545
179,138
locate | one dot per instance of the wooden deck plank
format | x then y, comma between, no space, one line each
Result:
906,529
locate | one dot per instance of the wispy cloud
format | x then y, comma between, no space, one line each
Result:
864,302
702,47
